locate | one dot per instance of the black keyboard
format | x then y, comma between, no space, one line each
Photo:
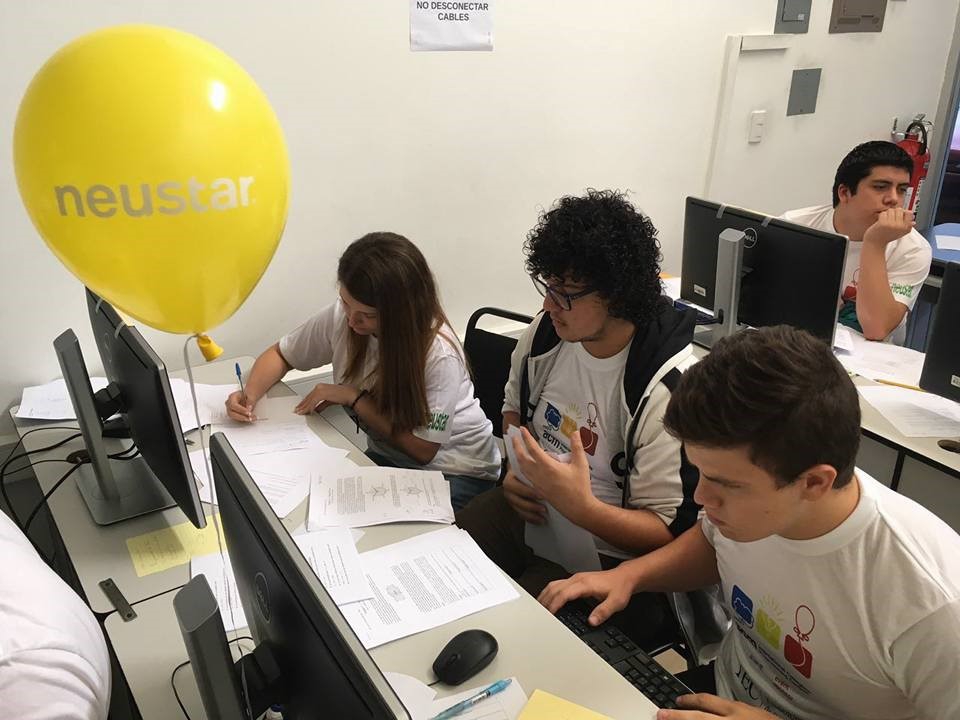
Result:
612,645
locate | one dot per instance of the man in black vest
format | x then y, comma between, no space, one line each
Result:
591,377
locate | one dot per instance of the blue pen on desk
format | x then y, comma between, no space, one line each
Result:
464,705
236,366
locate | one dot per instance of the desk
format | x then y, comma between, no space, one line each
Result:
534,646
942,257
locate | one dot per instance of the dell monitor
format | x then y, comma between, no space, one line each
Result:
307,659
139,390
769,271
941,365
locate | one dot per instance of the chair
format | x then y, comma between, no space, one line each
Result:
703,622
488,354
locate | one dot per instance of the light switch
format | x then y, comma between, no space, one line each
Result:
758,118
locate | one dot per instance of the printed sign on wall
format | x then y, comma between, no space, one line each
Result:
451,25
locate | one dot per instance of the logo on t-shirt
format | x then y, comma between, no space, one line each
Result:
769,618
438,421
742,605
567,423
793,649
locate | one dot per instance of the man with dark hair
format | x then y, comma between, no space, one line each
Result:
593,372
887,260
845,595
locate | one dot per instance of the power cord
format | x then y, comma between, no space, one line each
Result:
11,458
173,676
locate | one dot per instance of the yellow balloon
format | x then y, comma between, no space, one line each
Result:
155,169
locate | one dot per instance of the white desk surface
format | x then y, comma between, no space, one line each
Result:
534,646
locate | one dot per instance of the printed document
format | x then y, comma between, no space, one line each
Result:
377,495
51,401
424,582
914,413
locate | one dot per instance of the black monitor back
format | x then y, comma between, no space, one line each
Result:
325,670
941,366
791,273
148,406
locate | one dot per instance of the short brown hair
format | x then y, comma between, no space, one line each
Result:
780,393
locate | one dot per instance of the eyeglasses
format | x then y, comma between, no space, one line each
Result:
564,300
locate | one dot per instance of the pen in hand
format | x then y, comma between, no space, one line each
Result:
243,394
464,705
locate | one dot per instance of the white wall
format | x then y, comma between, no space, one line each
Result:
459,151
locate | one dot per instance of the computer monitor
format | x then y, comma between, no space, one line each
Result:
941,366
772,271
139,390
308,659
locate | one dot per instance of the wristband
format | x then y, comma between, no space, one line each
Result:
357,398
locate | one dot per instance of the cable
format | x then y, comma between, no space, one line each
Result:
173,676
11,457
51,491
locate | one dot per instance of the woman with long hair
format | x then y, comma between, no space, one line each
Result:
397,366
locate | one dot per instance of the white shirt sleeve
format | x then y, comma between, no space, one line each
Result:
655,482
907,270
927,663
53,684
311,344
444,378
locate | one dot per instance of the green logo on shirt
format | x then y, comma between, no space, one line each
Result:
438,421
900,289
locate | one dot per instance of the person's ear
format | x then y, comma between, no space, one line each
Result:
845,193
817,481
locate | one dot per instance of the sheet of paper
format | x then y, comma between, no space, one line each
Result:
51,401
948,242
222,584
163,549
882,361
377,495
331,553
417,697
505,705
544,706
260,437
914,413
424,582
558,539
842,340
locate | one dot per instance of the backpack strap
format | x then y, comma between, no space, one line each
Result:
544,339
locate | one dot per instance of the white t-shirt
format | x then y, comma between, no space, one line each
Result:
584,394
53,659
457,422
908,262
862,623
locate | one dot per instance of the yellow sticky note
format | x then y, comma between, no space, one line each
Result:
161,550
544,706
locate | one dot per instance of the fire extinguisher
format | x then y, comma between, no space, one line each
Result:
914,143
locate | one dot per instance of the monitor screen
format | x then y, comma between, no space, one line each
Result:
161,476
323,665
941,366
791,274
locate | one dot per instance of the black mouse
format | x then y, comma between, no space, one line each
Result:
464,656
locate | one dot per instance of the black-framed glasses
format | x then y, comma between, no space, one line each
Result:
564,300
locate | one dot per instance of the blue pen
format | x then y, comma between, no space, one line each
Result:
236,366
463,705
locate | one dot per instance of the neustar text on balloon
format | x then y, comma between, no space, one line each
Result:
172,198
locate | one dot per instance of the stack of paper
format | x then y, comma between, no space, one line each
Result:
51,401
424,582
880,361
914,413
421,702
378,495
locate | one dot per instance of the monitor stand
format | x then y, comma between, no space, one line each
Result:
726,289
950,445
129,490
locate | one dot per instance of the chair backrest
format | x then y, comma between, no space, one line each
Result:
703,621
488,354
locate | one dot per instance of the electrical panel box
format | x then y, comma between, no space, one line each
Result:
803,91
793,16
857,16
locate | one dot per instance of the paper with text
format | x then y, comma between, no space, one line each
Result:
882,361
51,401
378,495
505,705
914,413
424,582
163,549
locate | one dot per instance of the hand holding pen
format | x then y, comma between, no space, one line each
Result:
465,705
238,405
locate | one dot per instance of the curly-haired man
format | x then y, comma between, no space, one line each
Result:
592,375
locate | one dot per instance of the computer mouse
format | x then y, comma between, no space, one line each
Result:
464,656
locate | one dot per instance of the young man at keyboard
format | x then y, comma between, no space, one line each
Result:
845,595
595,368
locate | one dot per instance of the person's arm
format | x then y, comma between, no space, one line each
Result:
266,372
420,450
567,487
687,563
878,312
